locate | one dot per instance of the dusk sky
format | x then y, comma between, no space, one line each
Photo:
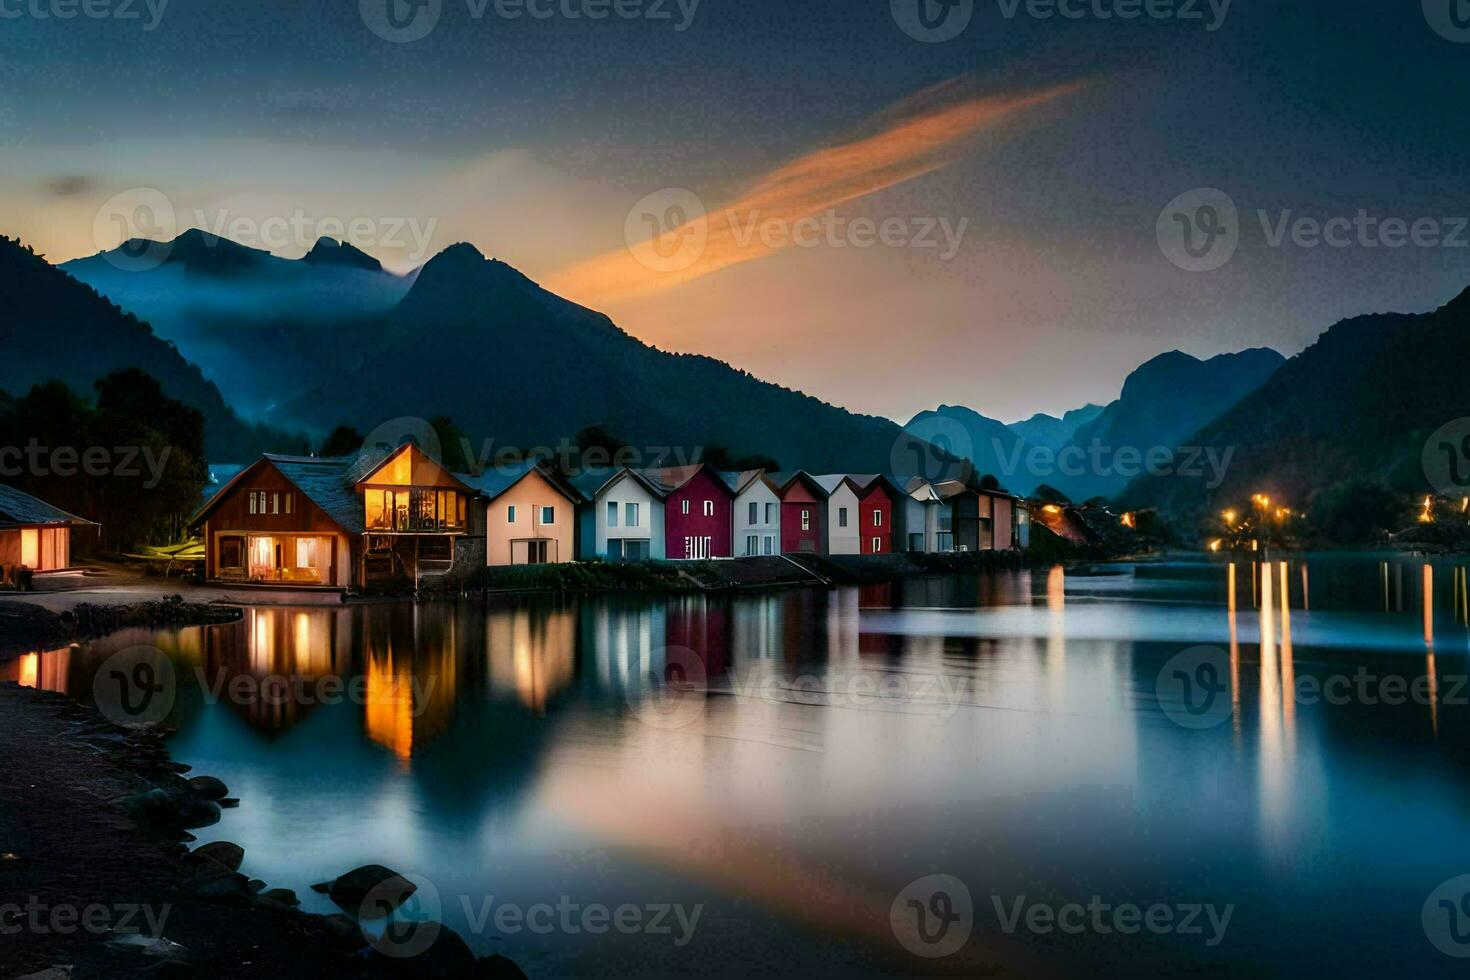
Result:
1020,168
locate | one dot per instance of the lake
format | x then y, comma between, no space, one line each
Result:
1194,768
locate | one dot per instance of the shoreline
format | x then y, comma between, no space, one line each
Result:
96,874
25,625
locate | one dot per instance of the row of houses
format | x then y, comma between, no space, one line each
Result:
388,515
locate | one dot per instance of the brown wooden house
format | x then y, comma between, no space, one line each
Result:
34,534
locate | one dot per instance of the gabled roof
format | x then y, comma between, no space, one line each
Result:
831,481
18,508
593,481
744,480
497,480
785,478
675,477
370,467
953,488
327,481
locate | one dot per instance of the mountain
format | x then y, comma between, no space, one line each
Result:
1052,432
224,304
1164,402
992,446
1358,405
478,341
56,327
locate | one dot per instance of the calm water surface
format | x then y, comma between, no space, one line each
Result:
1290,742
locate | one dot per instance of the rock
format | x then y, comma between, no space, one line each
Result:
196,813
221,852
154,806
209,787
388,889
426,949
229,803
322,887
155,946
343,929
283,897
256,885
499,967
230,890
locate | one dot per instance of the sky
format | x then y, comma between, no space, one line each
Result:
889,204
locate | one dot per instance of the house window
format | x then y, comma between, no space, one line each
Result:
612,513
288,502
231,552
842,517
548,515
684,508
275,503
754,512
877,518
806,520
709,508
770,544
252,501
752,544
770,513
630,513
877,545
510,514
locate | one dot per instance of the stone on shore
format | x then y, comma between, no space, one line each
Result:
387,888
221,852
209,787
282,897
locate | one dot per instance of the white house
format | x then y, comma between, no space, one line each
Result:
624,520
843,530
922,509
757,513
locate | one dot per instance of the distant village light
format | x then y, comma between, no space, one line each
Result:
1129,521
1229,516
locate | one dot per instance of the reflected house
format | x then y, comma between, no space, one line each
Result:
34,534
531,515
981,518
757,513
275,647
697,512
622,517
532,653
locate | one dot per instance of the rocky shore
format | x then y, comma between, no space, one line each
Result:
97,878
26,625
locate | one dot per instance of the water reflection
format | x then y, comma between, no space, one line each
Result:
1003,728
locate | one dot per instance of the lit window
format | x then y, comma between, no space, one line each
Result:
685,507
275,503
877,518
510,514
252,501
288,502
709,508
806,520
548,515
877,545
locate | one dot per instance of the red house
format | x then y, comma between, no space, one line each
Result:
803,502
698,513
875,514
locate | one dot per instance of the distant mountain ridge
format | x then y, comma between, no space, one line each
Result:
1359,404
1052,432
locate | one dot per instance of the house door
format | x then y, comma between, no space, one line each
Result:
696,549
536,552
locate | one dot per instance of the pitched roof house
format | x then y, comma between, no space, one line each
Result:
697,512
803,513
531,514
982,519
757,513
622,517
34,534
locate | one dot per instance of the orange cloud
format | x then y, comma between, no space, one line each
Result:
684,242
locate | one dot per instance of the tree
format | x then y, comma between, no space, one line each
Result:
344,441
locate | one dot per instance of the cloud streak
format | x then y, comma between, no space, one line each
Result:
914,137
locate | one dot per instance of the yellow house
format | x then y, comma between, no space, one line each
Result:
531,516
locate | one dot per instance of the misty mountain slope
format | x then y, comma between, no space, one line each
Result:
994,447
1360,403
477,340
1052,432
224,305
1164,402
55,327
